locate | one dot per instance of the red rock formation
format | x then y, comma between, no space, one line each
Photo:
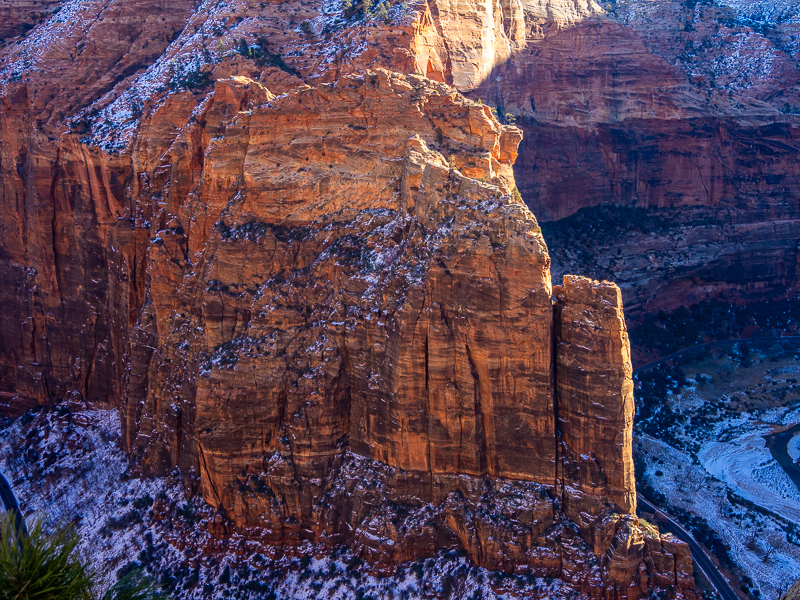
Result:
18,17
370,361
326,302
606,120
58,216
643,107
594,393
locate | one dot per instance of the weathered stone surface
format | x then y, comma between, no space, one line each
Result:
71,60
683,559
57,218
327,303
624,557
440,388
373,361
594,393
607,116
19,16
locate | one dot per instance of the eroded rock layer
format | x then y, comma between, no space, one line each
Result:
616,105
328,304
640,105
349,337
594,398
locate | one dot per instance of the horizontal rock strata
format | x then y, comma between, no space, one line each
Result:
349,337
329,304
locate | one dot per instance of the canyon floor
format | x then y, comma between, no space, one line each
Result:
702,456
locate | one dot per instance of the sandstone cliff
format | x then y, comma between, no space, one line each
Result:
608,117
348,336
687,111
314,286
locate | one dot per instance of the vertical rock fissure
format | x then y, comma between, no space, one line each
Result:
481,443
54,229
555,331
448,66
179,434
213,487
90,367
283,398
345,371
427,372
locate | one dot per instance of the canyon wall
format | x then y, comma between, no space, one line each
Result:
642,106
349,337
664,259
313,284
686,112
608,113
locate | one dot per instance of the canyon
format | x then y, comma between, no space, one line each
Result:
297,246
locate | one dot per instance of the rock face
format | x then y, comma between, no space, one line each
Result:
363,351
19,17
57,216
326,302
666,258
608,117
594,393
641,106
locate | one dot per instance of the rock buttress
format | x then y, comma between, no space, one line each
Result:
594,415
594,391
348,336
342,286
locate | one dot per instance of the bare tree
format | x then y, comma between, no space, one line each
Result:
751,538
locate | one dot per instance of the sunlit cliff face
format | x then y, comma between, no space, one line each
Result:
314,284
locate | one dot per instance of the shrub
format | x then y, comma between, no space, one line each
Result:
260,53
43,565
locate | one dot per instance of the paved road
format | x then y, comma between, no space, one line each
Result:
702,562
11,504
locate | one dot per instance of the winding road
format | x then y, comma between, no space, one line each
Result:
11,504
702,562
